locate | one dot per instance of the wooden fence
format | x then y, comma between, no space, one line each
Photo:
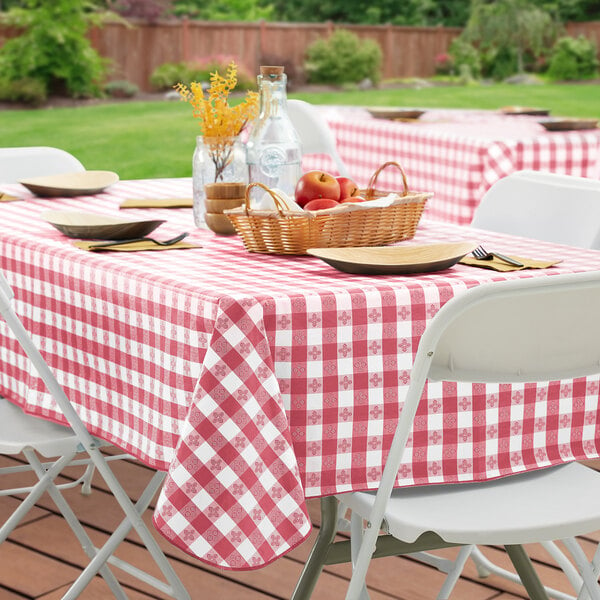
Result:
136,50
590,30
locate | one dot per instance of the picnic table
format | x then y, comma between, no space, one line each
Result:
457,154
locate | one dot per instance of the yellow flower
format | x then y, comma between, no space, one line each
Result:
216,118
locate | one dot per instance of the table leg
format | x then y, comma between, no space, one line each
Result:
526,572
316,560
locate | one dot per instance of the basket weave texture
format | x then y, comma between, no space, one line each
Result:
283,231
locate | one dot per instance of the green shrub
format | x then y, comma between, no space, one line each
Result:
465,57
165,76
29,91
572,59
121,89
53,49
499,63
343,58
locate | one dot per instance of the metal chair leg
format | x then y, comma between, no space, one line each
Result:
75,525
590,588
133,520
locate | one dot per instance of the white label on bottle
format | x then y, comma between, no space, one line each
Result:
271,159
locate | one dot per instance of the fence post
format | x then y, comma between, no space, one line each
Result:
262,39
185,39
388,63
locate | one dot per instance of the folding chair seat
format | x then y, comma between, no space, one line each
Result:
543,329
33,161
314,132
59,447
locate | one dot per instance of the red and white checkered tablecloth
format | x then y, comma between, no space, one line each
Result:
258,380
456,154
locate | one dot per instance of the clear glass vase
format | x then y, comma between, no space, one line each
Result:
216,160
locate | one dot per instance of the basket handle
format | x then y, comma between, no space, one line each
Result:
373,180
278,203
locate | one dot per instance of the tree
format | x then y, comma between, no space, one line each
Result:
224,10
143,9
450,13
573,10
507,27
409,12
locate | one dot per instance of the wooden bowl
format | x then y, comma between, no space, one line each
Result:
218,205
219,223
225,190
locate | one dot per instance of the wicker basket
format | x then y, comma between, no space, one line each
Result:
283,231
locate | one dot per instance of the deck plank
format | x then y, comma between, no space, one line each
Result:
42,545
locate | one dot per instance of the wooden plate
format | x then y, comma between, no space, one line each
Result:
524,110
70,184
91,226
386,112
390,260
569,124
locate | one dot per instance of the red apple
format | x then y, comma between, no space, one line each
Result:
320,204
348,187
352,199
316,184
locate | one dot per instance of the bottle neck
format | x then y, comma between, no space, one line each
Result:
272,96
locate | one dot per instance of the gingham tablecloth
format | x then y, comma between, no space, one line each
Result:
456,154
258,381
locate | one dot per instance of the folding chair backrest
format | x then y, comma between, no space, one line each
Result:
34,161
38,362
525,330
315,134
545,206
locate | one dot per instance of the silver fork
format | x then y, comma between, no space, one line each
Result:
481,254
170,242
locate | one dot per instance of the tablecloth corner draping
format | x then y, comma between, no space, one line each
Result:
235,455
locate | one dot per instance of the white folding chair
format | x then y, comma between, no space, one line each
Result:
564,209
314,132
545,206
33,161
526,330
21,433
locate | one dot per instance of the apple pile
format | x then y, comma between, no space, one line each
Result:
317,190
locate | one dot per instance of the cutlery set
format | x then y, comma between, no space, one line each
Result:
481,254
170,242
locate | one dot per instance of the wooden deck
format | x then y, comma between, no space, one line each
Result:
41,558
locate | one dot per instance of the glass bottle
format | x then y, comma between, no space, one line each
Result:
216,160
273,149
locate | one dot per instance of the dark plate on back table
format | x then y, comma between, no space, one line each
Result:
389,112
525,110
569,124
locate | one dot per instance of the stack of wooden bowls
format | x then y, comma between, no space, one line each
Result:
220,197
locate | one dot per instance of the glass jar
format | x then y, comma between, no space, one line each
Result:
273,149
216,160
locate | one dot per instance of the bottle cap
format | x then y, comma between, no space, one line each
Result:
271,72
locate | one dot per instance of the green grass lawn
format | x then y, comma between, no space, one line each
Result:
157,139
